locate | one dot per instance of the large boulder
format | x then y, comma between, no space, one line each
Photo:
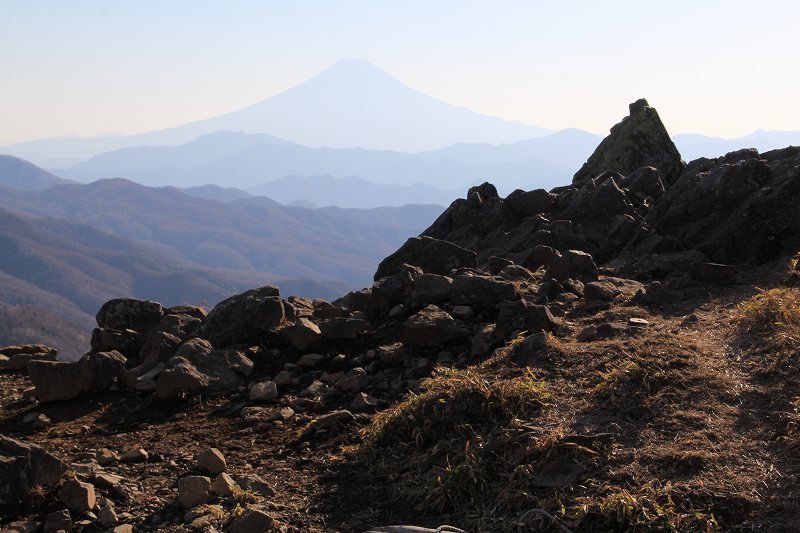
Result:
481,290
304,334
342,328
572,264
611,287
25,468
433,256
392,290
431,289
180,379
639,140
523,315
247,318
432,327
530,203
129,313
59,380
603,215
127,342
224,370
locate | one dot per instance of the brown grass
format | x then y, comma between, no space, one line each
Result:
462,444
769,331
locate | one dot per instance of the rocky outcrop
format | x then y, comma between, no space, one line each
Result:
738,208
640,140
636,205
489,271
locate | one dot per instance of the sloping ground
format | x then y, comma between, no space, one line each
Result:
684,425
680,427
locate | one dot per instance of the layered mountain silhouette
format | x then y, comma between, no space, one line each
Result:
235,159
353,103
693,145
349,192
252,235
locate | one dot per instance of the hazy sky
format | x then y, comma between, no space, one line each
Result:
716,67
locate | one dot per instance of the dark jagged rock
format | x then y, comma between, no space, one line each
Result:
530,203
247,318
433,256
573,264
128,342
25,468
392,290
158,348
432,327
610,287
481,290
742,207
643,184
304,334
639,140
342,328
354,300
431,289
225,370
180,378
523,315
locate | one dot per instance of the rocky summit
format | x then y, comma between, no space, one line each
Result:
617,354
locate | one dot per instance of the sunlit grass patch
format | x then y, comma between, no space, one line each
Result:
773,316
460,444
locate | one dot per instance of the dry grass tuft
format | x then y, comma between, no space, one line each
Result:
654,507
773,316
769,331
462,444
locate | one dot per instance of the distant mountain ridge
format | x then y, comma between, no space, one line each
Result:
249,161
693,146
65,271
349,192
248,235
21,174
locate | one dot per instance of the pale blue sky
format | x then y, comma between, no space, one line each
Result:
716,67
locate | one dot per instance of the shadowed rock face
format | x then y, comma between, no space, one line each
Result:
639,140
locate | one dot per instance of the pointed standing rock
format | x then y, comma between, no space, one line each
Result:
639,140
